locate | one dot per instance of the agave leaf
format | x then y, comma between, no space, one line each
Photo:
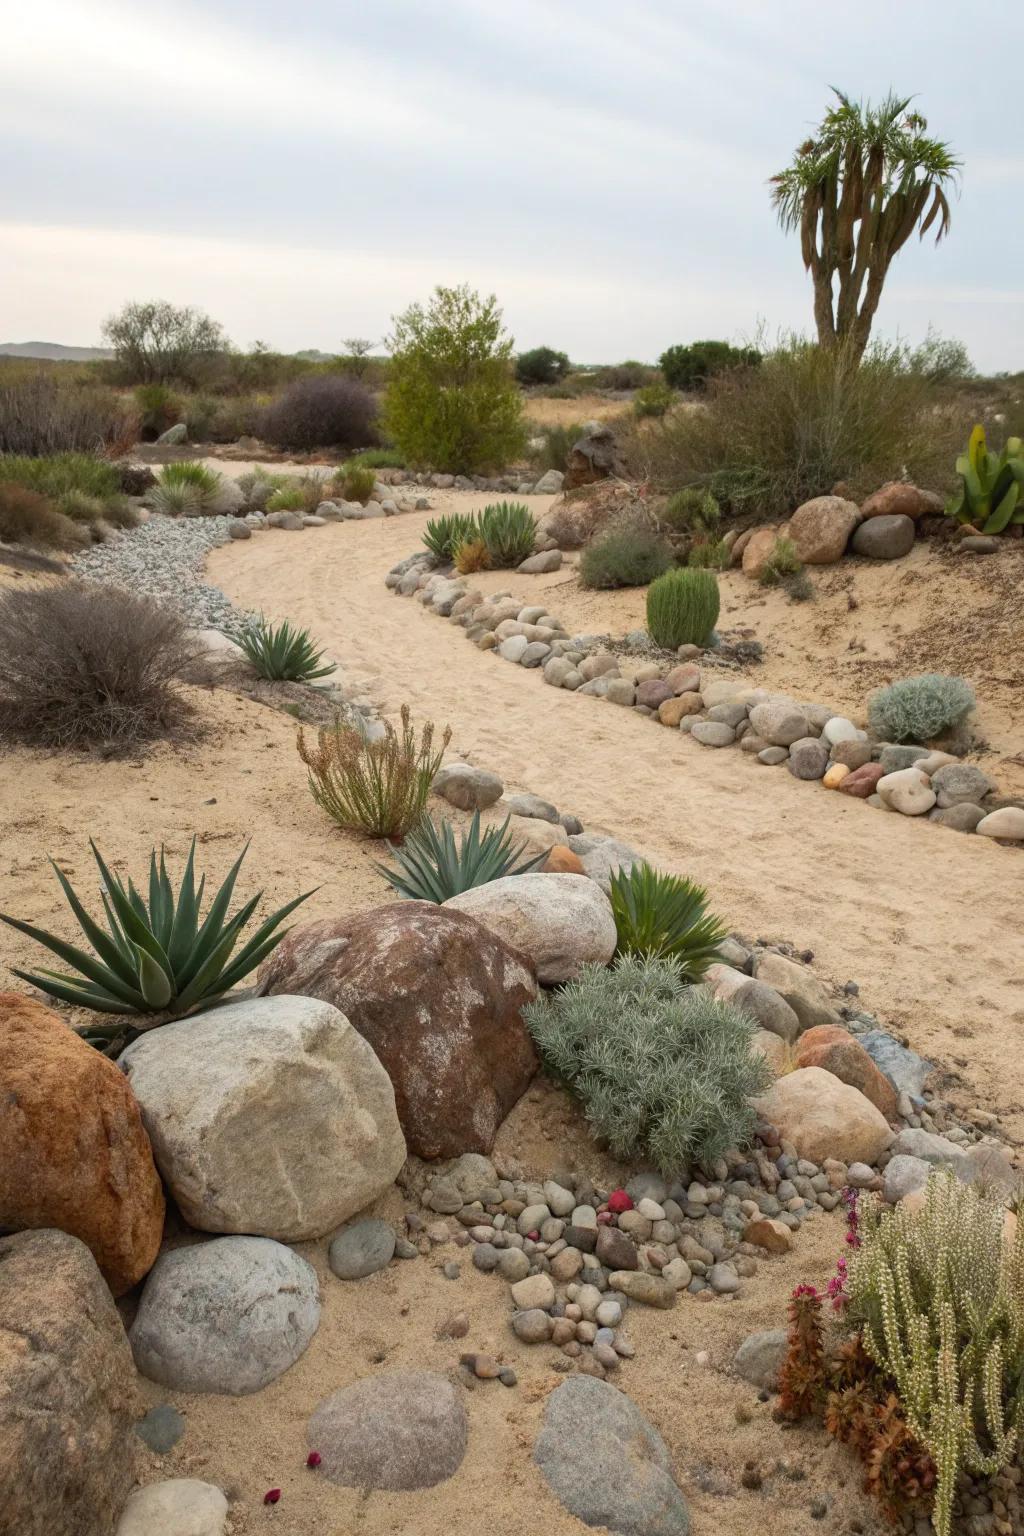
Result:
185,923
209,934
110,951
1002,514
62,989
156,984
98,973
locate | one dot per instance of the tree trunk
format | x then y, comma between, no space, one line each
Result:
823,317
861,328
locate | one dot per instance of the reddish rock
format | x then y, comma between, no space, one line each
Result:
653,692
74,1154
769,1234
821,528
684,678
862,781
439,998
757,551
899,498
836,1051
562,861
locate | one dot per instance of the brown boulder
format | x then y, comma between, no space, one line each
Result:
757,551
821,528
593,457
676,709
68,1395
899,498
840,1053
439,998
562,861
73,1151
654,692
863,781
824,1117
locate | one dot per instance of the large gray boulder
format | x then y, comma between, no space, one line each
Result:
559,922
271,1116
399,1431
884,538
68,1394
468,788
760,1357
606,1463
225,1316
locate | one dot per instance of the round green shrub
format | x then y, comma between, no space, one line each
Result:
920,708
682,608
692,510
628,554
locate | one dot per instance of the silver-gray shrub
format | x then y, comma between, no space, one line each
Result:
920,708
664,1070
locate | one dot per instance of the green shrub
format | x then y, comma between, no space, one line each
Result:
627,554
191,489
689,368
782,561
662,917
773,437
201,415
159,409
692,510
541,365
664,1070
920,708
321,411
939,1295
44,412
556,445
682,608
281,653
154,957
377,787
653,400
452,402
54,475
354,481
623,376
433,867
710,555
84,664
378,458
28,518
990,494
509,532
96,514
444,535
287,498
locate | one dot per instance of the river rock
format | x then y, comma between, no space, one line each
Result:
761,1001
884,538
602,856
438,996
640,1285
904,1175
905,1069
182,1506
227,1316
1007,822
820,529
73,1151
361,1249
779,721
760,1358
808,758
959,818
394,1432
558,921
900,498
799,986
471,789
907,791
824,1117
713,733
757,552
68,1394
843,1055
862,782
531,806
270,1117
606,1463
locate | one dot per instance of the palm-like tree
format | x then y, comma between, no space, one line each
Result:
856,192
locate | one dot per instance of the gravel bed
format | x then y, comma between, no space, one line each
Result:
164,558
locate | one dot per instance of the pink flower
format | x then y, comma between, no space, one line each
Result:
272,1495
314,1459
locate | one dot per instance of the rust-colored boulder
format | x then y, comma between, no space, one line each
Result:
757,551
73,1151
821,528
68,1394
562,861
863,781
439,998
840,1053
900,498
593,457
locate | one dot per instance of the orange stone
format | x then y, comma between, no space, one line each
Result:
840,1053
74,1154
562,861
765,1233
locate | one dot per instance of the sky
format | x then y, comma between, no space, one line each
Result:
302,172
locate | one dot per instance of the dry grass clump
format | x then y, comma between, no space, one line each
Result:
26,517
377,787
43,413
84,665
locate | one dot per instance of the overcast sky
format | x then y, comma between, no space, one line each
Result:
304,171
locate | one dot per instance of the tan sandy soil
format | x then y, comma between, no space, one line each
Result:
544,412
925,921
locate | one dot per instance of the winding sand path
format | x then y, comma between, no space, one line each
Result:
928,922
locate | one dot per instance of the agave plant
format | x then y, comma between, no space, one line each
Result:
434,866
156,960
509,530
283,654
443,535
191,489
991,495
663,917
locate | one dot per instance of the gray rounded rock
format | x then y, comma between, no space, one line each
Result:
712,733
884,538
759,1358
468,788
396,1432
225,1316
808,758
961,817
960,784
773,756
606,1463
361,1249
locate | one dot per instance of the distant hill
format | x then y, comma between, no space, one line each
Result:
53,351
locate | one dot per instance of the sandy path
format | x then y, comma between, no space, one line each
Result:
926,921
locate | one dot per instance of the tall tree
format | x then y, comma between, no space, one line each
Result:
856,191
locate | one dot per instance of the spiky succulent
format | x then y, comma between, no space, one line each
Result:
509,530
433,866
662,916
443,535
283,654
157,957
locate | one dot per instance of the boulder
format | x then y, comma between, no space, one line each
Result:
73,1151
532,806
761,1001
884,538
842,1054
808,758
862,782
961,818
547,560
270,1116
226,1316
907,791
905,1069
654,692
852,754
471,789
779,722
713,733
438,996
757,551
602,856
558,922
900,498
68,1394
824,1117
181,1506
606,1463
1007,822
549,483
684,678
592,457
821,528
799,986
562,861
960,784
396,1432
760,1358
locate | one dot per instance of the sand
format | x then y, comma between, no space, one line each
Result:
924,920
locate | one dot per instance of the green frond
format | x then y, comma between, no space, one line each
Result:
433,867
283,654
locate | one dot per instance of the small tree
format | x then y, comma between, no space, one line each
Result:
159,343
452,402
541,365
857,191
357,355
690,367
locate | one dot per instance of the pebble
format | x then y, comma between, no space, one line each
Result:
361,1249
451,1271
163,558
532,1325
